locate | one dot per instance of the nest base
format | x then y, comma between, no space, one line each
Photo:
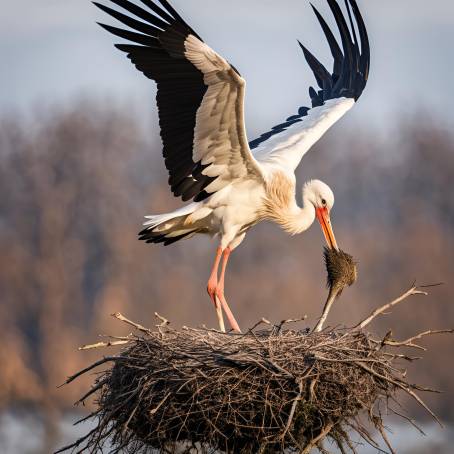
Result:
269,390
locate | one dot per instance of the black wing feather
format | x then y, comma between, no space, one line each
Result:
138,38
321,73
336,51
159,11
365,48
348,73
140,12
129,21
177,17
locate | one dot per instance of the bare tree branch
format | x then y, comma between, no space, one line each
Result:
411,292
137,326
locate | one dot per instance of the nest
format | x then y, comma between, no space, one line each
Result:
266,391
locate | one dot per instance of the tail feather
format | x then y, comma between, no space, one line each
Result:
171,227
155,220
150,237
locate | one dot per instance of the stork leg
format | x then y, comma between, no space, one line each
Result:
220,292
212,286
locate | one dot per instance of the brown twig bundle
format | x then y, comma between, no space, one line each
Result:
265,391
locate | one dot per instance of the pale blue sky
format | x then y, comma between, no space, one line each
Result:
52,51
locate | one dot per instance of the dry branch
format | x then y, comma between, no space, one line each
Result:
409,342
411,292
114,343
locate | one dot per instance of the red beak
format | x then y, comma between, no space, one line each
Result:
325,223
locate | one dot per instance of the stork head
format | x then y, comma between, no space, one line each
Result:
321,197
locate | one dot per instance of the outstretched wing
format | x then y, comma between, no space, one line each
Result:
200,99
287,143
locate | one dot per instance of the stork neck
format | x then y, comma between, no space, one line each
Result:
292,218
281,207
300,219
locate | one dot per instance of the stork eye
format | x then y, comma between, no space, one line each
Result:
324,202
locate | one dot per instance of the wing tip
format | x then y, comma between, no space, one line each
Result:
351,65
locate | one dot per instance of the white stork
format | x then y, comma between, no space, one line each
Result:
234,184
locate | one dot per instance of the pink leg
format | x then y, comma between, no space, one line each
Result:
220,292
212,286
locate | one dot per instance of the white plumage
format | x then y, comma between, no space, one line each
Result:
234,183
286,150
